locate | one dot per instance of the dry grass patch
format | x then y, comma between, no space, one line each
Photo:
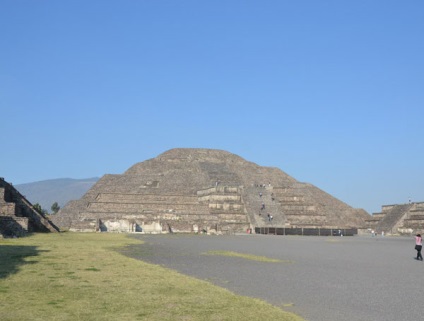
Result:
74,276
247,256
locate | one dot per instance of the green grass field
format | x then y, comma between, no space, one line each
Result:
75,276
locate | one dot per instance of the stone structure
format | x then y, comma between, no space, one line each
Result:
195,190
18,216
398,219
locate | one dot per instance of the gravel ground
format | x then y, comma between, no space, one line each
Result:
320,279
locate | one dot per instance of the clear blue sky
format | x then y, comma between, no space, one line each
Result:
331,92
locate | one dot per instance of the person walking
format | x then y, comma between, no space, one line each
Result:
419,246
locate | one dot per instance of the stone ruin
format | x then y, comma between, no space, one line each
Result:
18,216
203,190
403,219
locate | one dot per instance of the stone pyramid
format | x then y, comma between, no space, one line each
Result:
18,216
406,219
194,190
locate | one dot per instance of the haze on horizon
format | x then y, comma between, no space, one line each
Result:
329,92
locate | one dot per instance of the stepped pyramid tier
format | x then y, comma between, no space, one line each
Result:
195,190
404,219
18,216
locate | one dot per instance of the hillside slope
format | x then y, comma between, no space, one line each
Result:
60,190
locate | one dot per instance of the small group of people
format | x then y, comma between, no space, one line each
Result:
374,233
263,185
270,217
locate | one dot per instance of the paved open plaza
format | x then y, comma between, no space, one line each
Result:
318,278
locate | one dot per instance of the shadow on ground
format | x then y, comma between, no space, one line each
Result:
13,257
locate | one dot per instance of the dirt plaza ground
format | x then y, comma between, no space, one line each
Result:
318,278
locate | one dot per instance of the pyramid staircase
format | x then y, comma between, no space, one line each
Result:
255,197
398,219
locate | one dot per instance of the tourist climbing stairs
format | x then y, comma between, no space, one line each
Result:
259,202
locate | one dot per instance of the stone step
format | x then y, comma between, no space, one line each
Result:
140,208
146,198
158,215
305,213
416,217
222,190
417,212
235,198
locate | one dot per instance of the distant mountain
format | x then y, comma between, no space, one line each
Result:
60,190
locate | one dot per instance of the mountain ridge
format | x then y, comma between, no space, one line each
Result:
60,190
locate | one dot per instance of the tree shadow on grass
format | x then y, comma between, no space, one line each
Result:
12,257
